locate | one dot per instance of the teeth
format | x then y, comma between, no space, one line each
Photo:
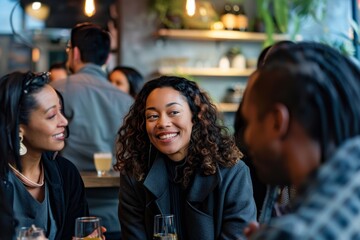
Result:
166,136
59,135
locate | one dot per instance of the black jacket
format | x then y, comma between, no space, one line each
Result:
217,206
66,193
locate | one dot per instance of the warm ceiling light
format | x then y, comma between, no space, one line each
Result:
35,54
190,7
36,5
89,8
37,10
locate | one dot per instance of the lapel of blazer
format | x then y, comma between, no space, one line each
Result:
198,223
203,185
158,184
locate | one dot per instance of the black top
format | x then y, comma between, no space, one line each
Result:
177,195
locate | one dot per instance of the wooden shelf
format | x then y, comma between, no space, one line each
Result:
212,72
217,35
227,107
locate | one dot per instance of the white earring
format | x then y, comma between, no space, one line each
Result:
23,149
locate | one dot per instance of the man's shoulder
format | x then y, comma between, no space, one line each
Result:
115,95
284,228
325,206
59,83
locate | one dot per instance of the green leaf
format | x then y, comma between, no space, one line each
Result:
259,9
281,12
269,28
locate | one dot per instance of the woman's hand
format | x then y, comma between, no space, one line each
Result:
251,229
103,229
94,234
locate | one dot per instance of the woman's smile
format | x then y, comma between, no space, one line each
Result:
169,122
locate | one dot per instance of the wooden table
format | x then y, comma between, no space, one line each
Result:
91,180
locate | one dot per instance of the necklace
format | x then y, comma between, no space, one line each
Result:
26,181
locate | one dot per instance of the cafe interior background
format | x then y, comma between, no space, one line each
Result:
214,42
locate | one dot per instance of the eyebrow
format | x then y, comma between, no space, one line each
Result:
167,105
48,109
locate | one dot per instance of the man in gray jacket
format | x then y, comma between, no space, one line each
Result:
95,110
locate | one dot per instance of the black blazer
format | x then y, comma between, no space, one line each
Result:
218,206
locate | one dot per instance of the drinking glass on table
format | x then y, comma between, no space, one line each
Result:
31,233
87,228
164,227
102,163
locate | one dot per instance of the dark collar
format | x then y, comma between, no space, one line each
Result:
157,181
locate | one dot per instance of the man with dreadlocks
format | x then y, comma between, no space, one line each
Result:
302,114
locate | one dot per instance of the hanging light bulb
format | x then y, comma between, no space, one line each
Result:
89,8
190,7
35,54
37,10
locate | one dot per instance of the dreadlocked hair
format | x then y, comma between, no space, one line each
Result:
210,144
319,86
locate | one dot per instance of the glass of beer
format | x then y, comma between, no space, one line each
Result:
87,228
164,227
103,163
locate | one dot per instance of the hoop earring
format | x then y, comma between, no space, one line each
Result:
22,149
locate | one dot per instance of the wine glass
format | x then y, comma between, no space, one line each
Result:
164,227
31,233
88,228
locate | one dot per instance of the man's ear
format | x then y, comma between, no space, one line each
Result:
281,122
108,59
76,54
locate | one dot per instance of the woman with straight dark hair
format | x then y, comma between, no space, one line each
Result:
41,187
126,79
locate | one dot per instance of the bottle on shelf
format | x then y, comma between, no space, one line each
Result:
239,62
234,94
241,20
224,62
236,58
228,18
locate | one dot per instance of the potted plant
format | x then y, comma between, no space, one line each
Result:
277,14
169,12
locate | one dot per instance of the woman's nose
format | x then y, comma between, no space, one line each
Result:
163,121
63,120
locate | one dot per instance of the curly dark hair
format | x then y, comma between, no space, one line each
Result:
210,144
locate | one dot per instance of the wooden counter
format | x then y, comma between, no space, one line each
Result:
91,180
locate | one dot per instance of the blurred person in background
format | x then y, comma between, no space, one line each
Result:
302,129
269,199
58,71
40,186
175,158
126,79
95,110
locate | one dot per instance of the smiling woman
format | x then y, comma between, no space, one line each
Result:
36,179
175,158
169,122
